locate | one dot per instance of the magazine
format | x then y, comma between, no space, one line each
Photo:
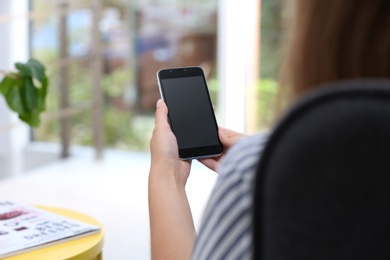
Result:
24,228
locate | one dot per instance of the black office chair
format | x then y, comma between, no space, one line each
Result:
322,189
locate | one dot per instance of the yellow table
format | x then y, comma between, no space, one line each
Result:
85,248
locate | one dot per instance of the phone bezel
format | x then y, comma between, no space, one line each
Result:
183,72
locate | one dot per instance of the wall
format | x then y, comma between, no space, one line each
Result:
14,47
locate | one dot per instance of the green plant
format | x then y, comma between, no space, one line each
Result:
25,91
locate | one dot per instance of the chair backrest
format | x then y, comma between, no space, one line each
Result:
322,189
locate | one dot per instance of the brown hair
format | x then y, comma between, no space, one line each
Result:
335,39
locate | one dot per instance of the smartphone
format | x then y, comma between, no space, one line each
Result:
190,112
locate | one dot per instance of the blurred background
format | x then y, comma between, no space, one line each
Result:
91,151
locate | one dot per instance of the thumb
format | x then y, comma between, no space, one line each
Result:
161,116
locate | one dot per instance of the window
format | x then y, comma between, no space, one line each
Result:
138,38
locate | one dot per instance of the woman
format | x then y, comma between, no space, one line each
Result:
329,41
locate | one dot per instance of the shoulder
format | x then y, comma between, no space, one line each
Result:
226,225
237,169
243,155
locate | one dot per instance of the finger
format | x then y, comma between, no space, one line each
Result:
161,116
229,137
210,163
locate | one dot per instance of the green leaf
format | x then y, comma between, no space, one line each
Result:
41,95
24,70
6,84
28,92
45,85
14,100
25,91
31,118
37,69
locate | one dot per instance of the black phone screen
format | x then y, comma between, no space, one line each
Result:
191,113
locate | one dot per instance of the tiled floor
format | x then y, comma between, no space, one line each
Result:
113,190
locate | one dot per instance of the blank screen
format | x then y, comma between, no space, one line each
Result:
190,111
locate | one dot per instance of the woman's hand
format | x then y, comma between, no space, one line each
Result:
228,139
164,149
171,225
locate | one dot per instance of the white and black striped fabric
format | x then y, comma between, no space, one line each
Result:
226,229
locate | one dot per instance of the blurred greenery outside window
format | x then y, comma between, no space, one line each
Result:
140,37
272,34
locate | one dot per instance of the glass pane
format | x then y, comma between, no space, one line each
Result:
139,38
272,34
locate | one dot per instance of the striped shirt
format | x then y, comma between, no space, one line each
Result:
225,231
